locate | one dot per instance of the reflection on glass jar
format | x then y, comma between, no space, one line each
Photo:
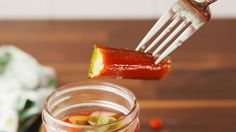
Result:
91,99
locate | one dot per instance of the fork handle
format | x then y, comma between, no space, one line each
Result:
208,2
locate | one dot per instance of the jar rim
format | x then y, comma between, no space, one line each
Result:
87,83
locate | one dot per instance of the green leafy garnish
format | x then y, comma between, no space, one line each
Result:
4,60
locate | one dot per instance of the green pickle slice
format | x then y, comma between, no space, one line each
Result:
96,118
101,120
96,63
79,119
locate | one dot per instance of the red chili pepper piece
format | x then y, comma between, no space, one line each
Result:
155,123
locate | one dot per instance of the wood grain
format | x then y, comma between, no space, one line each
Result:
186,104
198,95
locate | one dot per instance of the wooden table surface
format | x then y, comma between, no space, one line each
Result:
198,96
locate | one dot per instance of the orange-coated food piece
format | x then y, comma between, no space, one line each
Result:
125,63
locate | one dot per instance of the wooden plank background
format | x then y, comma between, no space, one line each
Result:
198,95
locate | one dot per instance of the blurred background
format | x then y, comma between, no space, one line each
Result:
197,96
98,9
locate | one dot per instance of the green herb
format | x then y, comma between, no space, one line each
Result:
4,60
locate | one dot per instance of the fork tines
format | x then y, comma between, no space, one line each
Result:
172,28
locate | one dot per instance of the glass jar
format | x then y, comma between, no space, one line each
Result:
88,97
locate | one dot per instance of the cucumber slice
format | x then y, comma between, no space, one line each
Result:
79,119
124,63
96,65
101,120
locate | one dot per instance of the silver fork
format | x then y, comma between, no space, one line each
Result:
183,19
